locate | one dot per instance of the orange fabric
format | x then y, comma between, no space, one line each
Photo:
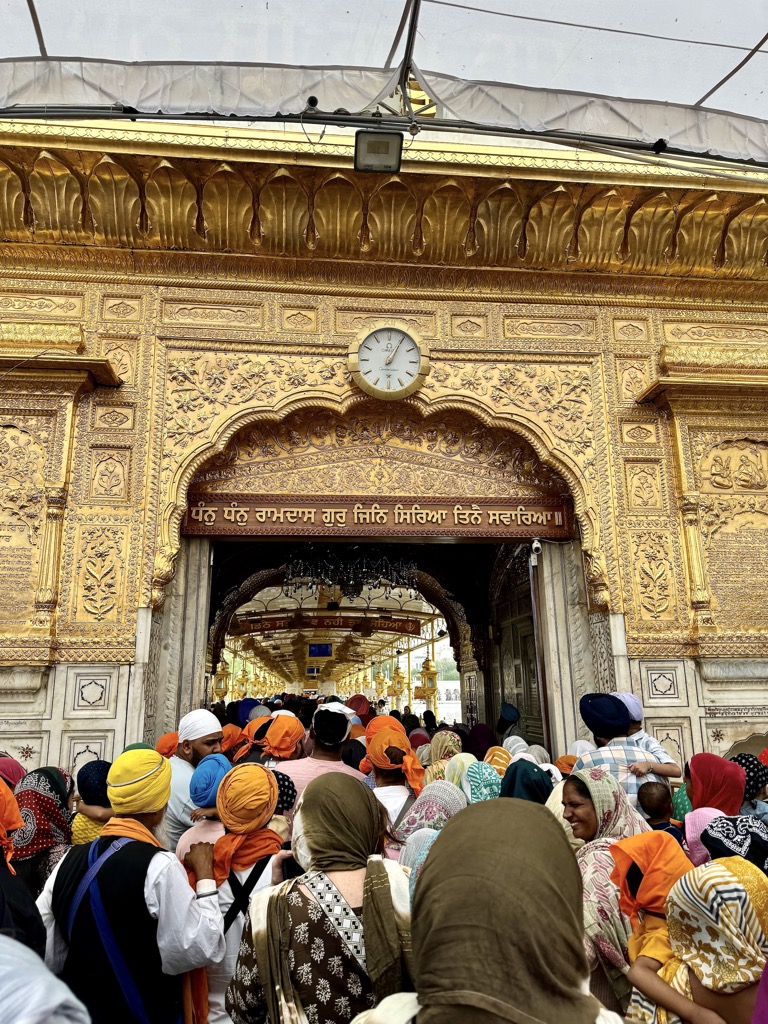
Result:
651,939
411,766
565,763
499,759
245,802
662,862
167,744
10,820
248,733
232,735
132,829
375,726
283,736
356,732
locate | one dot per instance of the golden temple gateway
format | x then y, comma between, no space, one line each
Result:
181,314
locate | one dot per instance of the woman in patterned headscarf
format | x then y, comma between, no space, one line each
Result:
598,812
445,745
335,941
45,798
480,782
437,802
742,836
755,786
717,916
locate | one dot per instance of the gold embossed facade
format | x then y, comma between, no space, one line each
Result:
175,310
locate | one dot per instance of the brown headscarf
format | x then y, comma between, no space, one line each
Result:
488,951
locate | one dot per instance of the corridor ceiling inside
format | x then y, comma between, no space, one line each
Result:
623,75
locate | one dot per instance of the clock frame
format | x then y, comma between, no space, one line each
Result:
393,394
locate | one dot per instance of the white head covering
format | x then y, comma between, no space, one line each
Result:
260,711
633,705
515,744
523,755
554,773
30,994
281,712
581,747
197,724
339,709
537,751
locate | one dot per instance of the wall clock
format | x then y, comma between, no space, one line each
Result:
388,360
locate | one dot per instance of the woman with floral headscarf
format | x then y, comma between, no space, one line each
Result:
598,812
45,798
445,745
437,802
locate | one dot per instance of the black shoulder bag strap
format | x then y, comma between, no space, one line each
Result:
410,800
242,891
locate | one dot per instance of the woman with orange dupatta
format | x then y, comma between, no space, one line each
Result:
647,867
19,917
242,857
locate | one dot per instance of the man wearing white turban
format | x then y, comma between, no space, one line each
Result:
122,921
668,768
200,734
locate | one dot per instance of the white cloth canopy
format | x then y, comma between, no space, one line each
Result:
690,72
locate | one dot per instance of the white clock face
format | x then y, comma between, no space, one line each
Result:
389,359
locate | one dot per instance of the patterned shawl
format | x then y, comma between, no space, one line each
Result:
445,744
438,802
455,768
717,916
607,928
695,823
756,773
742,836
43,799
480,782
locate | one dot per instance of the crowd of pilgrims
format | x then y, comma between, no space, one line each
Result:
302,861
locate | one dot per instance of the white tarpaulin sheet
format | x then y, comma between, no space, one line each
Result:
691,72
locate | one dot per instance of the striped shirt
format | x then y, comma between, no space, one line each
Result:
617,756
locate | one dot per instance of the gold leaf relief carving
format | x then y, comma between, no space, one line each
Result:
468,327
391,222
521,327
498,227
22,464
119,308
64,306
338,218
697,356
735,466
746,239
114,203
228,211
284,216
109,475
220,314
12,225
172,208
654,575
99,572
651,229
633,377
674,331
550,228
114,417
643,486
57,201
36,335
638,433
699,233
444,226
122,360
601,231
349,321
299,319
630,330
378,447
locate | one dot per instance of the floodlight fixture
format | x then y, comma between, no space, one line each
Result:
378,152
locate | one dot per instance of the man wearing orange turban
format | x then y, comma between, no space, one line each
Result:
285,739
394,765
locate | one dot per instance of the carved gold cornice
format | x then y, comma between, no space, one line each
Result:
690,385
61,200
98,371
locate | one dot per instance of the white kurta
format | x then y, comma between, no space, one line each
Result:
190,927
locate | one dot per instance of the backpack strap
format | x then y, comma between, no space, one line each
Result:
410,800
90,884
242,890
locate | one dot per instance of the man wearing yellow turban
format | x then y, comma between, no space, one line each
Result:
122,922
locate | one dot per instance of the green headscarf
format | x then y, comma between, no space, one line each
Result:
337,824
497,921
526,781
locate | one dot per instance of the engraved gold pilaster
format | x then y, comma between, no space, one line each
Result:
47,595
699,591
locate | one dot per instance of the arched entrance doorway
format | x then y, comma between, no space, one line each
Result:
471,495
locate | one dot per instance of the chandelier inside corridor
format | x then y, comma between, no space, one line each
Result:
350,576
